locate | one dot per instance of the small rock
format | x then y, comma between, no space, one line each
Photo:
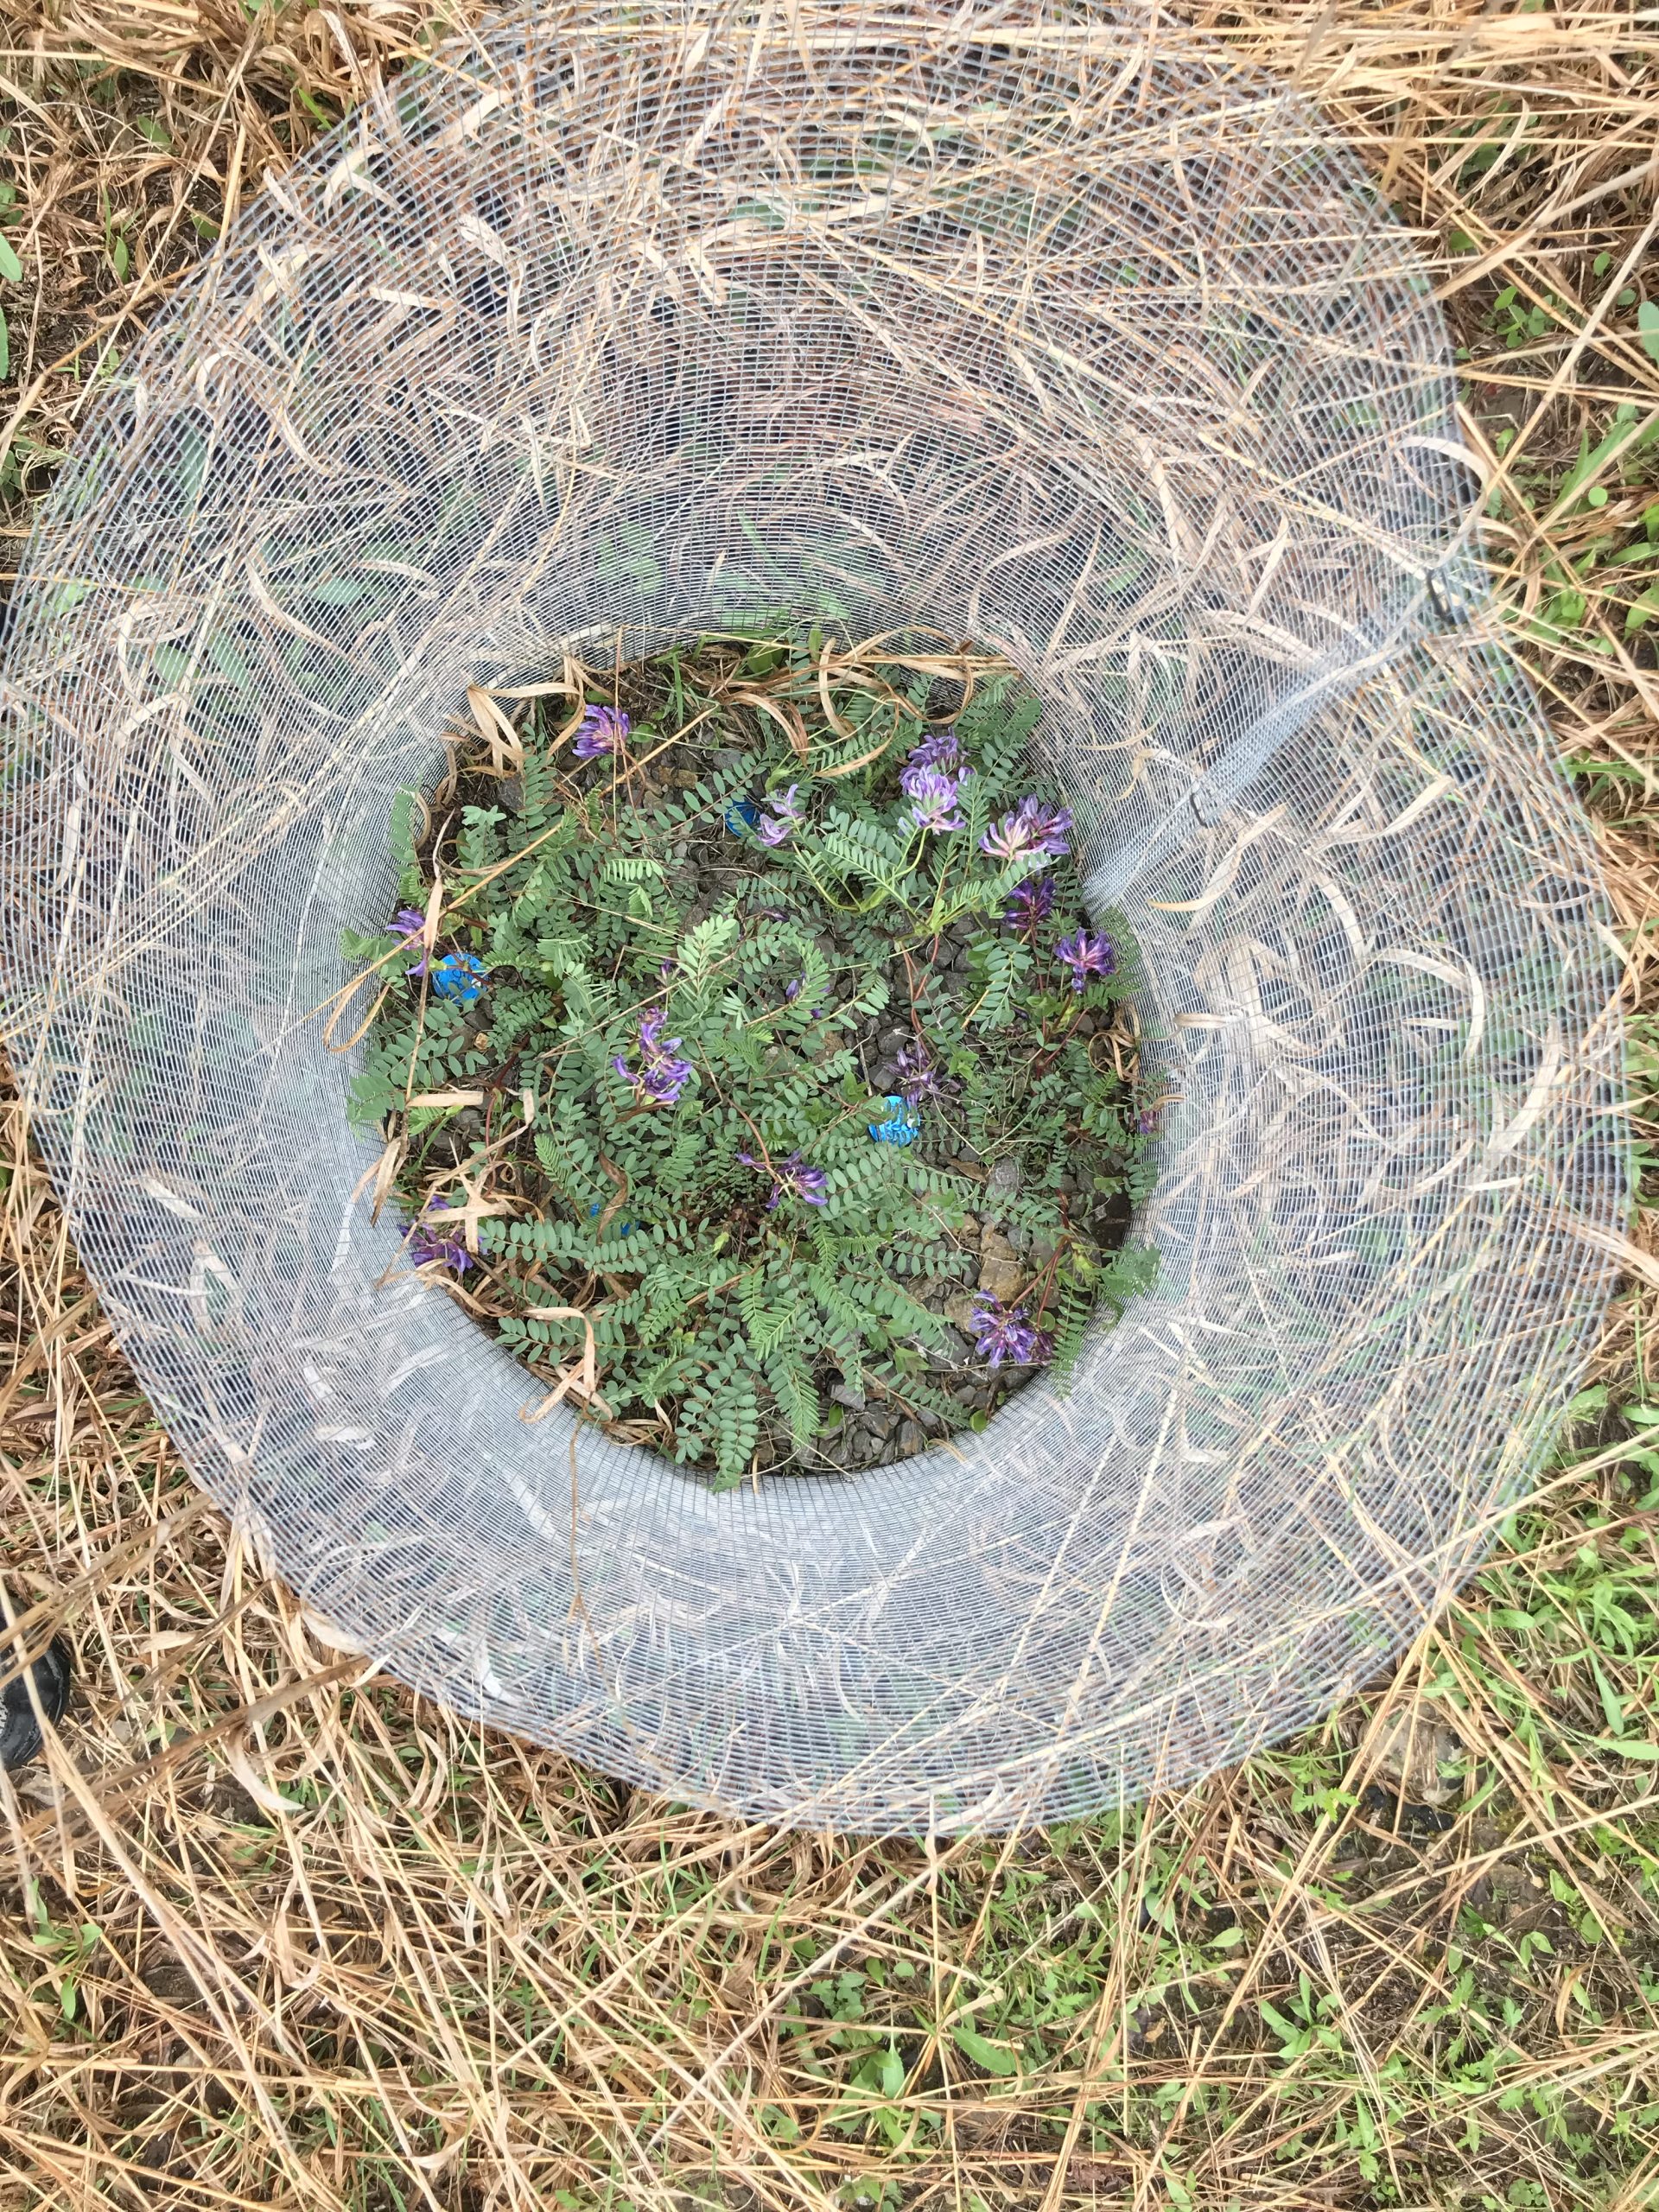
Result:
1000,1272
910,1439
729,756
894,1040
1019,1238
1067,1183
1412,1750
969,1226
510,792
1043,1249
951,1350
844,1395
961,1309
1003,1181
879,1421
1084,1026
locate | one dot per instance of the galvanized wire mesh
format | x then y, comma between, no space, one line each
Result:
1038,330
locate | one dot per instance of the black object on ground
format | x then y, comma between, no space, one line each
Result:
52,1675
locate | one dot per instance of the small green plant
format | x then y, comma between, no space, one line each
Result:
748,1061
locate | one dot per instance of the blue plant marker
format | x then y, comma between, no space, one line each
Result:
742,814
459,975
623,1228
902,1126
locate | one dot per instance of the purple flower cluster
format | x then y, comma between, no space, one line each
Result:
408,922
1029,906
601,730
785,815
938,749
1086,953
1001,1333
661,1078
792,1179
1033,826
932,779
429,1245
792,991
919,1078
934,802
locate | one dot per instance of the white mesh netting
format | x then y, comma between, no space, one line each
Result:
1045,332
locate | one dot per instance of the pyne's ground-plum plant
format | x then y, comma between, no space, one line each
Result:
747,1059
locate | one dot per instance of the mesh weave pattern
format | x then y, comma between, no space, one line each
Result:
1034,332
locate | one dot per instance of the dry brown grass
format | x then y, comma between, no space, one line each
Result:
270,1934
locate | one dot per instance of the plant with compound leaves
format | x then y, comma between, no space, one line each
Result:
756,1024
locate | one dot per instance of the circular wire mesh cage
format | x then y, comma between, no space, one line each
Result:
616,325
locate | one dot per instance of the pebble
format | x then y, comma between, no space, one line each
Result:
999,1272
1003,1181
844,1395
910,1439
960,1310
894,1040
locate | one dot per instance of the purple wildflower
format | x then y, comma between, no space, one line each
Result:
1145,1122
1086,954
784,818
938,749
919,1078
933,797
661,1078
601,730
429,1245
792,1179
1033,826
408,923
1002,1332
1029,906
